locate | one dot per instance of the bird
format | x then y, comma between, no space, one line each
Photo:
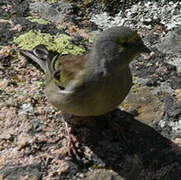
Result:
96,82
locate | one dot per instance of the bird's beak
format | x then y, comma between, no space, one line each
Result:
144,49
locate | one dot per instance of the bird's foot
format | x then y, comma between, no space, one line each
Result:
72,149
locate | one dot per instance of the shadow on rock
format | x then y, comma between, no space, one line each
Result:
129,148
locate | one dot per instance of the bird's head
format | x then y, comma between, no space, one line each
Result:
117,46
129,40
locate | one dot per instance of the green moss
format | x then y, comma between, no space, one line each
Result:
61,27
92,38
149,64
31,39
62,44
36,96
40,21
50,1
40,84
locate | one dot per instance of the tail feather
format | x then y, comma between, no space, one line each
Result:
39,55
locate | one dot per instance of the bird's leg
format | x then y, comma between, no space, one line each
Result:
72,149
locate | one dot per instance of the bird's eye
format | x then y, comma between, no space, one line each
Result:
57,74
126,45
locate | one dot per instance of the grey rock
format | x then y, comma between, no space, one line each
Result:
144,14
171,43
52,12
26,109
103,174
176,62
144,100
176,82
14,172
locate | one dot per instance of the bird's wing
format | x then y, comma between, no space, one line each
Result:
59,68
66,67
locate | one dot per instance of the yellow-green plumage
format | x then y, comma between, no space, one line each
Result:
94,83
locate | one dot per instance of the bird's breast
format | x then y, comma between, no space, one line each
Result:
94,98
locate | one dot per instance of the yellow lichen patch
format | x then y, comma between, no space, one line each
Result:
17,78
40,20
61,27
91,38
136,87
50,1
61,44
64,46
125,105
162,94
31,39
149,64
139,110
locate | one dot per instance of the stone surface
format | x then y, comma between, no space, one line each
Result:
33,144
171,42
53,12
103,174
147,104
15,172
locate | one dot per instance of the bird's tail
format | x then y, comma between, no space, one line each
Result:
40,56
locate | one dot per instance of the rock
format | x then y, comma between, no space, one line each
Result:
171,43
26,109
170,123
176,83
53,12
14,172
103,174
147,104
